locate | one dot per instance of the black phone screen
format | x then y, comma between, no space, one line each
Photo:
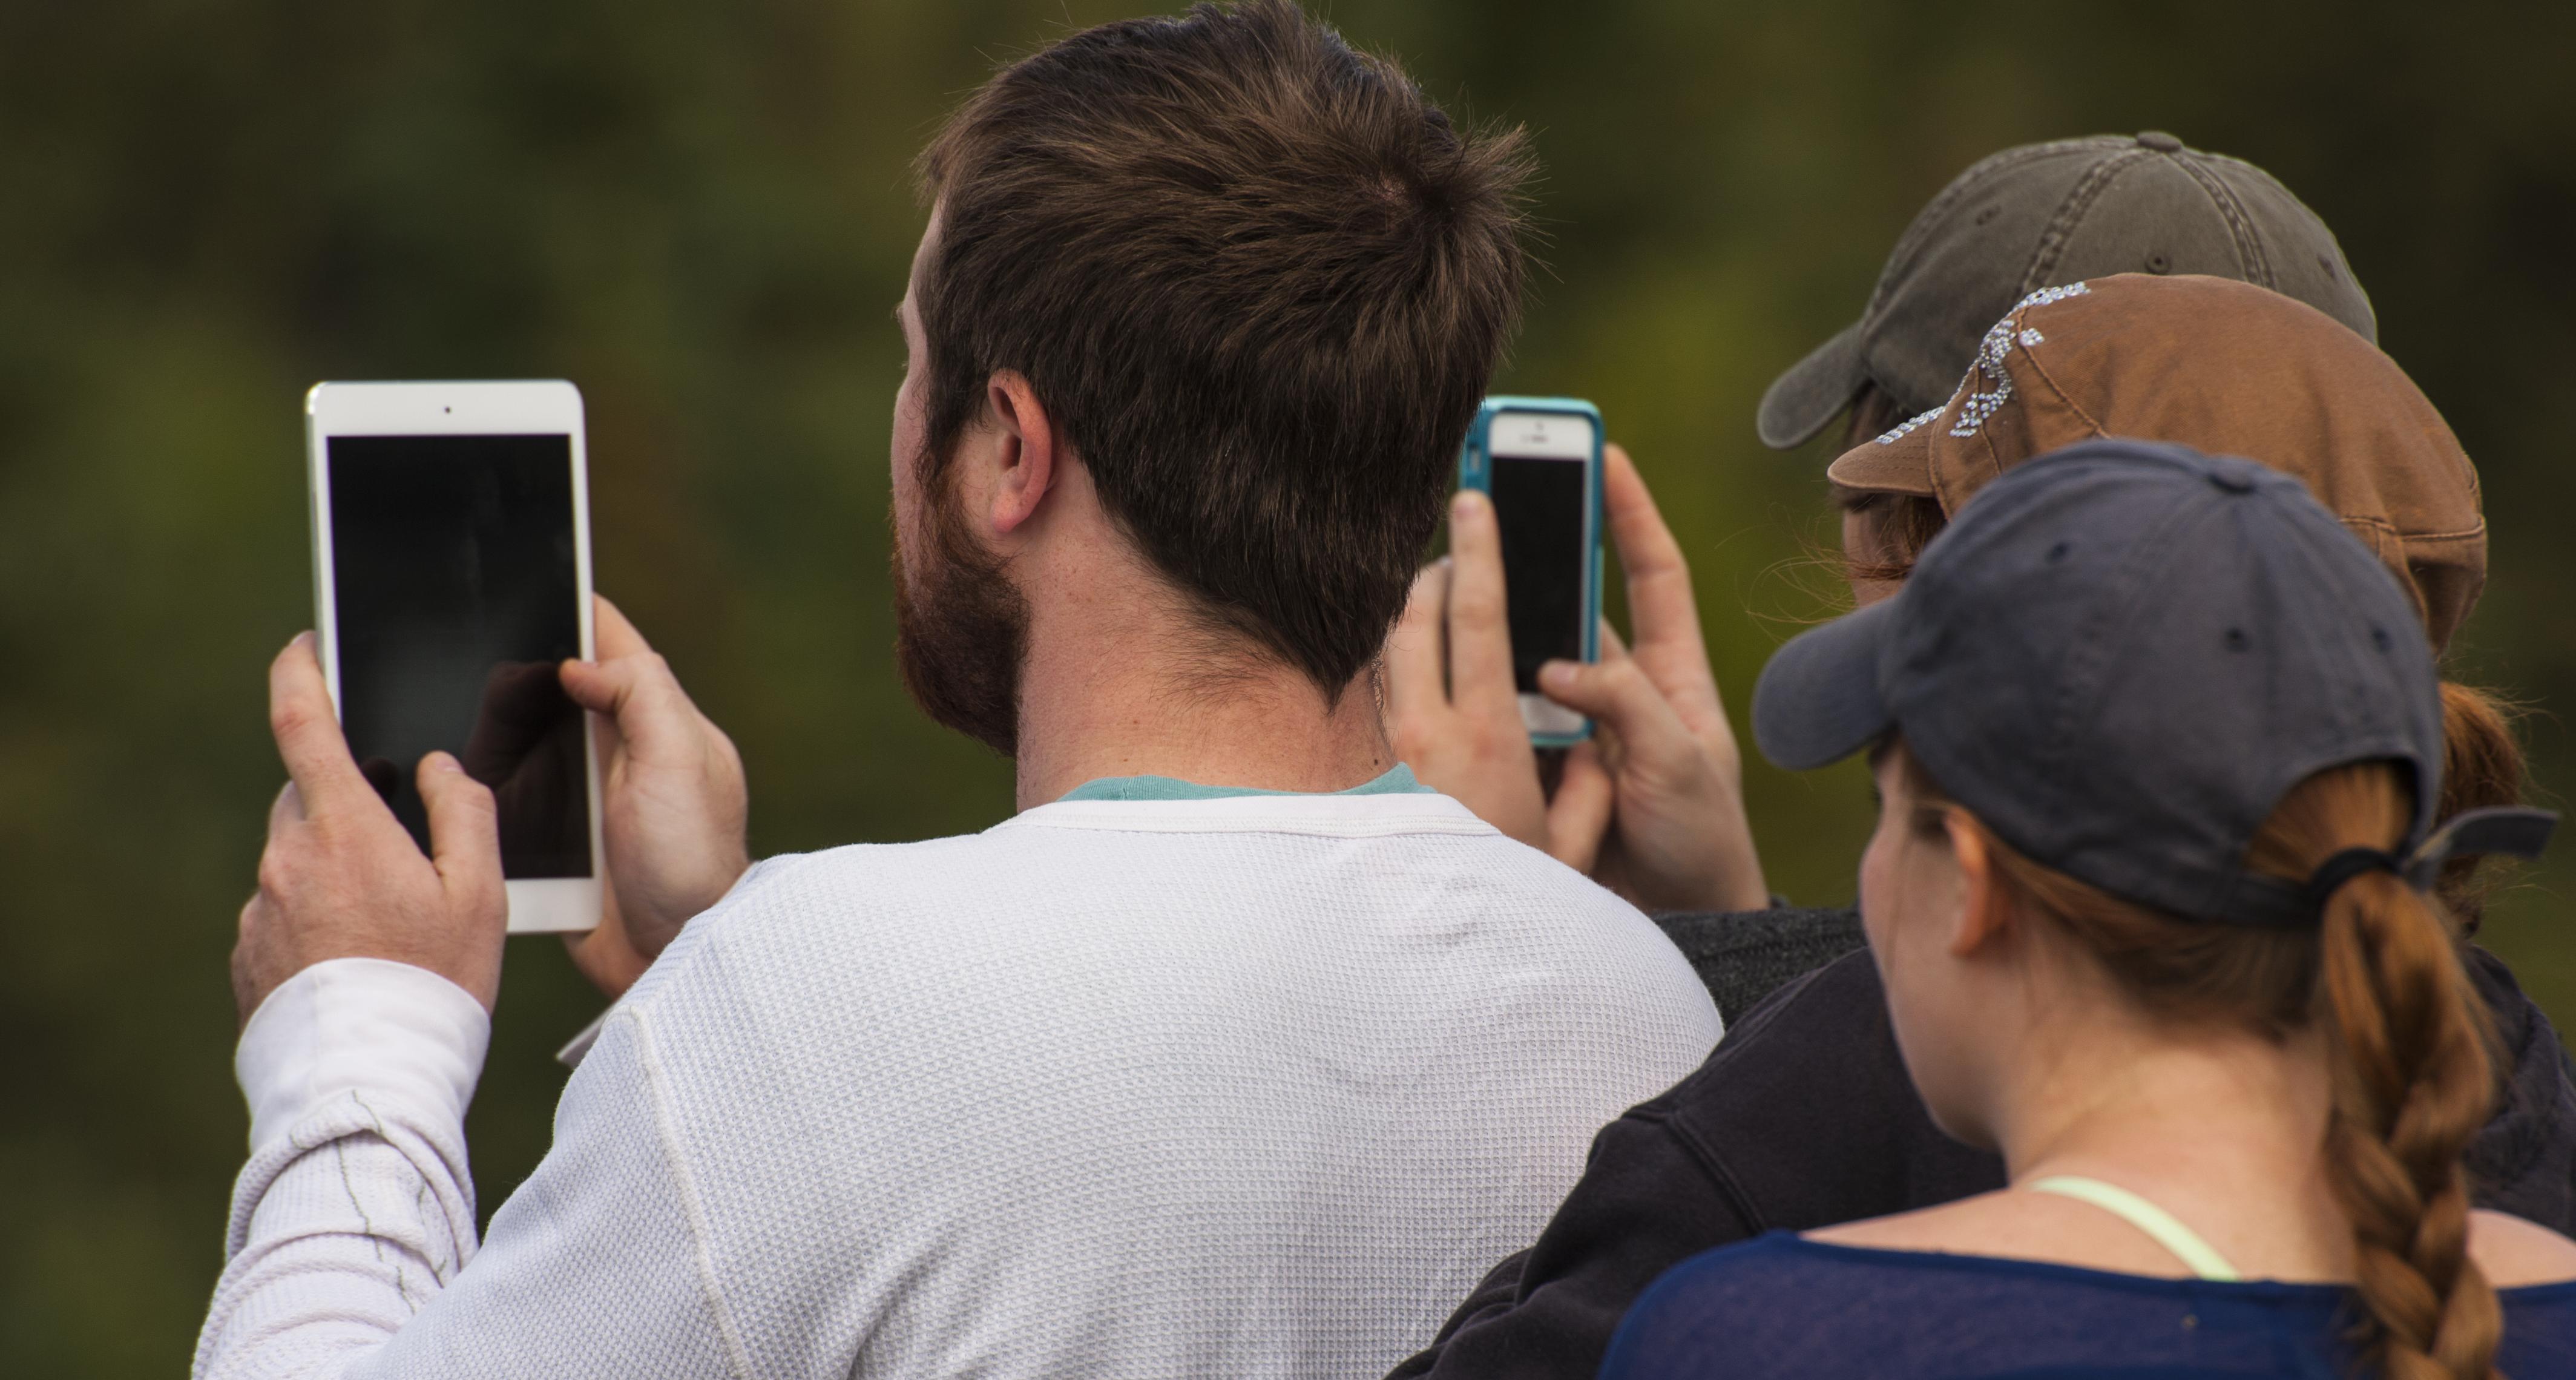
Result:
1539,504
455,596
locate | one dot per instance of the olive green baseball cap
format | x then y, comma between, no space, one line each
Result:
2045,215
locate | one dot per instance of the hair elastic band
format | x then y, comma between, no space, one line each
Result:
2331,874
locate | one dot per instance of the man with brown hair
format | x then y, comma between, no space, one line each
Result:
1235,1052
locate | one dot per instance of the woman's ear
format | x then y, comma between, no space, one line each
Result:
1027,457
1985,908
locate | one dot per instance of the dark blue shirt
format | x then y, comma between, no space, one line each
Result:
1780,1305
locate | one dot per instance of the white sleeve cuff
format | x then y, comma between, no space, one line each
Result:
363,1024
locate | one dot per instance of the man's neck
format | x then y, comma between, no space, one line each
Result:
1145,690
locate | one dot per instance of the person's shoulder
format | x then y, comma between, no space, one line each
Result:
2534,1272
1746,956
2515,1253
883,873
1806,1112
1823,1031
789,906
1464,917
1774,1305
1533,908
1423,845
1826,1273
1723,1286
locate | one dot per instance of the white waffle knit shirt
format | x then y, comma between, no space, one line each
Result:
1256,1086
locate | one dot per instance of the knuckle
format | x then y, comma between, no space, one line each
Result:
483,905
1624,682
290,717
276,875
325,834
469,797
1412,738
1487,740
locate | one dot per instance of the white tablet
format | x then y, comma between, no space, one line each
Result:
451,576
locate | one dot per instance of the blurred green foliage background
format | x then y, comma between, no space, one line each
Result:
701,213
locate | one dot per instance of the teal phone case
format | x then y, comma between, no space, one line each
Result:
1475,473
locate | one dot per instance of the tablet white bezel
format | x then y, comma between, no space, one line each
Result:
513,407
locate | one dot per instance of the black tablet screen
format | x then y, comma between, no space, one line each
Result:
455,596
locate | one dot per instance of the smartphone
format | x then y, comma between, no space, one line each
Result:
451,577
1539,460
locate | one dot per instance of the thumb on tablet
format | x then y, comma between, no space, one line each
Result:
464,828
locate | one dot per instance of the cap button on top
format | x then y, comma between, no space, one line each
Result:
2233,481
2160,141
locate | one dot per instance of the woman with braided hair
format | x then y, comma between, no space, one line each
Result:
2159,754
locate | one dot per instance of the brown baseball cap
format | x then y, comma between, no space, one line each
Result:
2223,367
2046,214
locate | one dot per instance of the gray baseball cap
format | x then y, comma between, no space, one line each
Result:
2045,215
2120,658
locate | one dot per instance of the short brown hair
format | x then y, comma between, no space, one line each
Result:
1258,280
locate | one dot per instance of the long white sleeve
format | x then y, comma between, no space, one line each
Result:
354,1218
356,1206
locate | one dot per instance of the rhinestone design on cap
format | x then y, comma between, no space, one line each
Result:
1909,424
1998,343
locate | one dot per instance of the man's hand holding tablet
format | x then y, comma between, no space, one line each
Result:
673,798
341,877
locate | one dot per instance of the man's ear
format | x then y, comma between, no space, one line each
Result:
1029,455
1985,907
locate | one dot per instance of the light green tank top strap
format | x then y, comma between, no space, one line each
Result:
2168,1231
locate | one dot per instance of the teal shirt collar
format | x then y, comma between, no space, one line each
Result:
1398,780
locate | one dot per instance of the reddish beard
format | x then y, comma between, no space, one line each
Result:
962,632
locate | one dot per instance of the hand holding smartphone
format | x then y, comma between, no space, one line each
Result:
1539,461
451,560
